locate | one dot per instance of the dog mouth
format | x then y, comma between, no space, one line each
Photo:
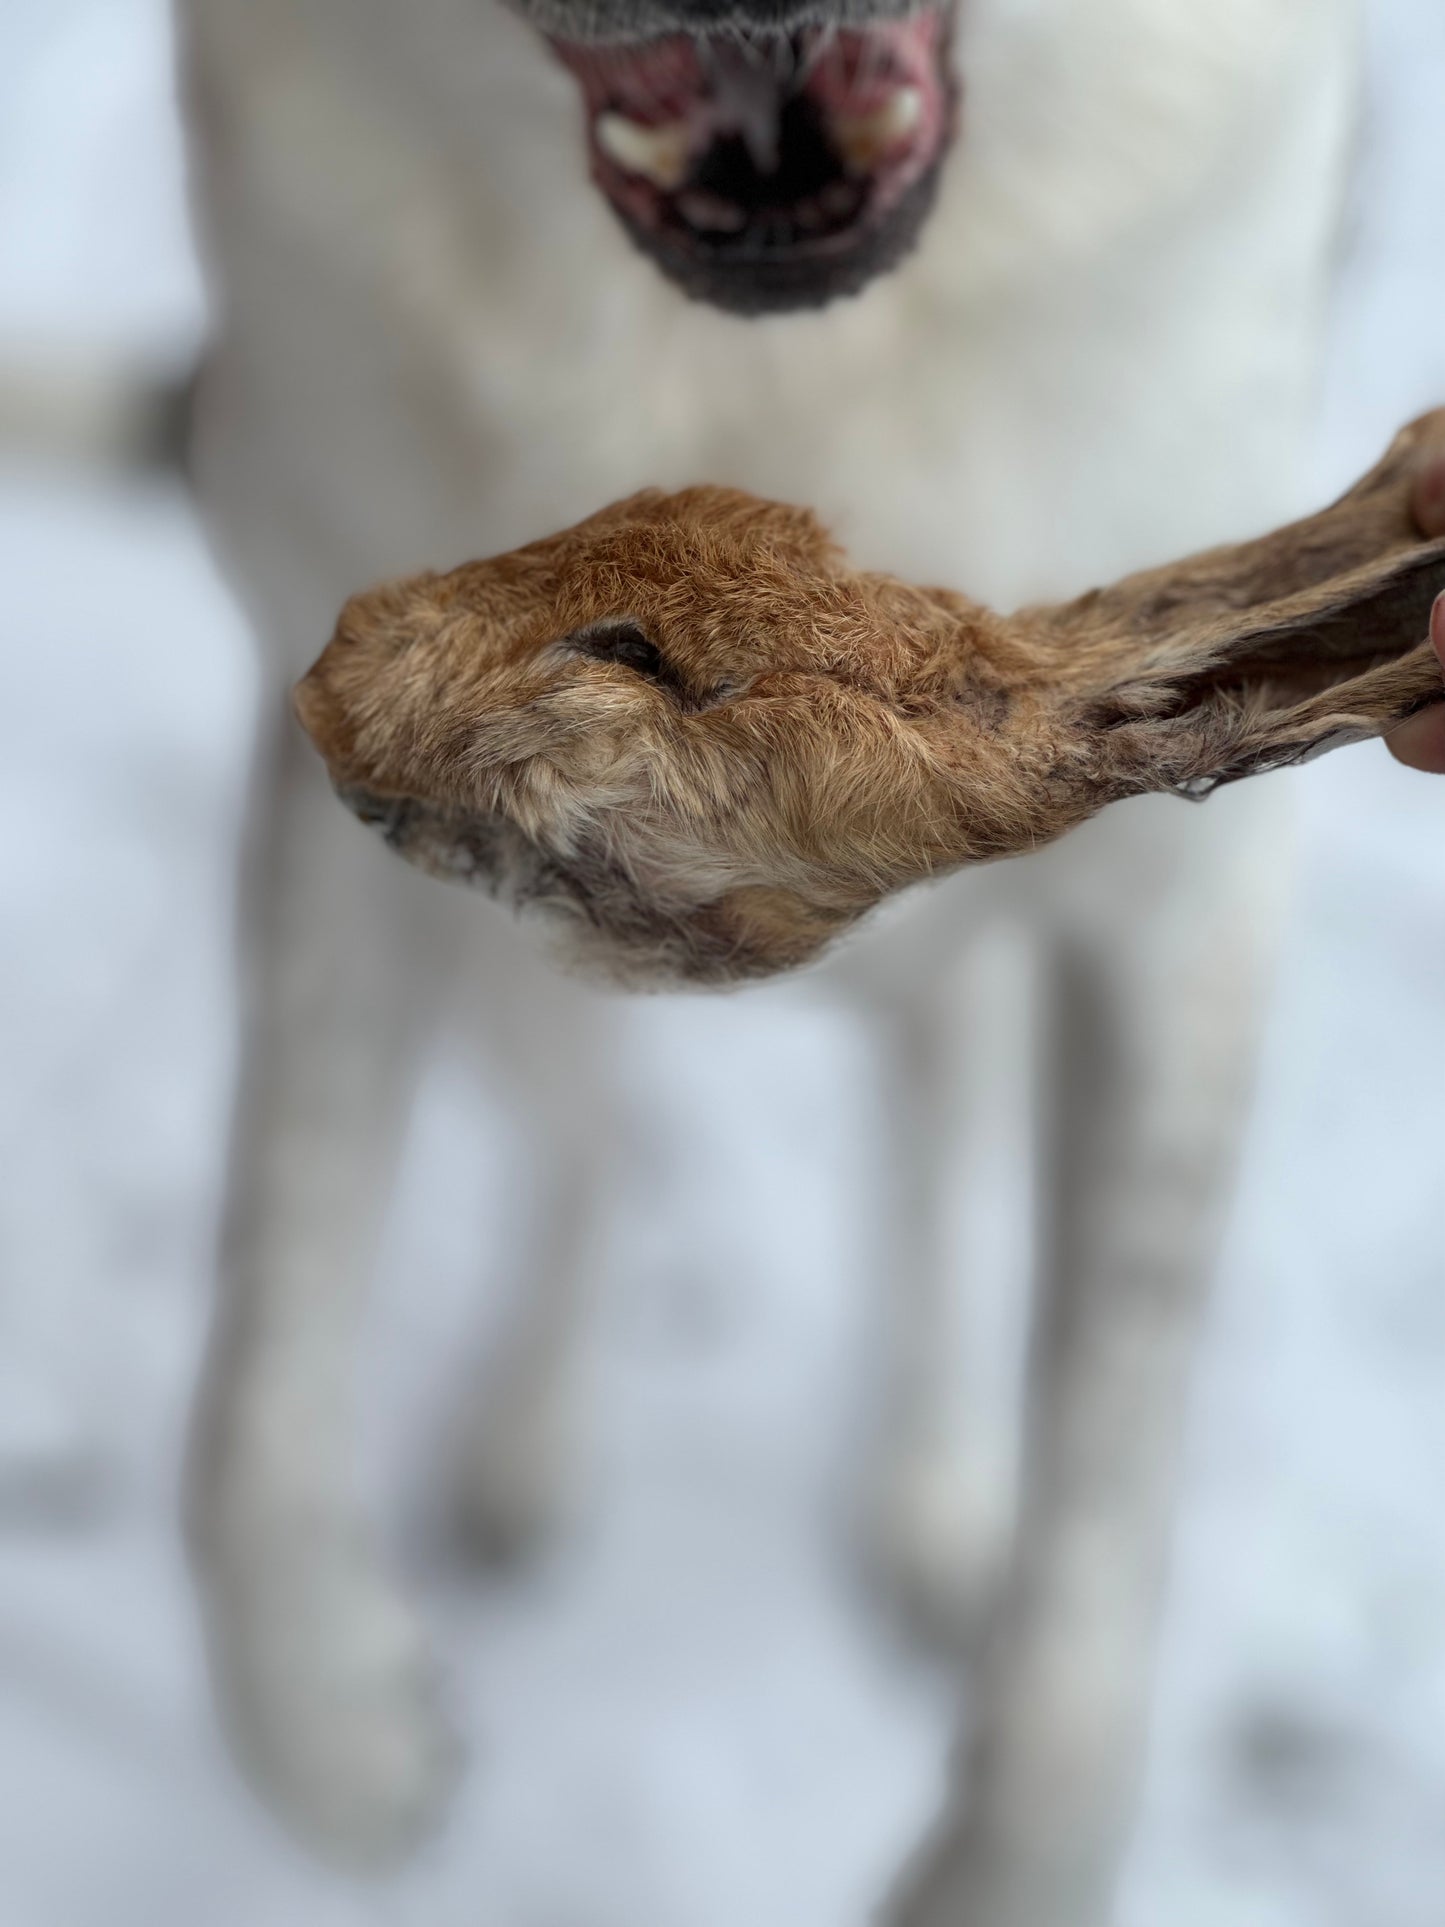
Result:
772,170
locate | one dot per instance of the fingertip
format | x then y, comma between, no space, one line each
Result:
1420,743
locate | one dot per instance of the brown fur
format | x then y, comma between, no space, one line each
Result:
692,729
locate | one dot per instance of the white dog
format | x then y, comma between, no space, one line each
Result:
433,340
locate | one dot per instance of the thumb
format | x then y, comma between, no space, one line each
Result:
1420,743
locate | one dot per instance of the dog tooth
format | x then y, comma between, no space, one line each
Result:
711,213
658,154
863,139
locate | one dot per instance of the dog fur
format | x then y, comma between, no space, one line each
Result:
433,341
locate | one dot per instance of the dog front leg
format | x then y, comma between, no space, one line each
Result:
1147,1080
954,1284
551,1047
318,1665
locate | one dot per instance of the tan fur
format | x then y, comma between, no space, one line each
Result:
809,737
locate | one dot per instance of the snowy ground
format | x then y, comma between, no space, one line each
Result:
691,1717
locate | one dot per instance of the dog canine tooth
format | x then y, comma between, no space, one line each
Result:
658,154
863,139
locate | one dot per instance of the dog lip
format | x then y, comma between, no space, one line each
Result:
757,281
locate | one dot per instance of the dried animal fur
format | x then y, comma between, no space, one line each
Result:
693,732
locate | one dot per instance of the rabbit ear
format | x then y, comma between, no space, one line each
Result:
1315,673
1247,659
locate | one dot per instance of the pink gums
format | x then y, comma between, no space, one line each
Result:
849,72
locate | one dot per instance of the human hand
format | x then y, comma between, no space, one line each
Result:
1420,743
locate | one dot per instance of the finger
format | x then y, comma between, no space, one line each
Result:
1420,743
1428,497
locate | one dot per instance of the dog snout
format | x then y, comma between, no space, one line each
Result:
771,16
612,20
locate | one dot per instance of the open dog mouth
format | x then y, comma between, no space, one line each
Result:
773,170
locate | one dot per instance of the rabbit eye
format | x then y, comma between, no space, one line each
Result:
628,644
625,643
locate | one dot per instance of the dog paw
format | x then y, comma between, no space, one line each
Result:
331,1700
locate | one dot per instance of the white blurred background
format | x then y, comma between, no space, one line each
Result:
691,1714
